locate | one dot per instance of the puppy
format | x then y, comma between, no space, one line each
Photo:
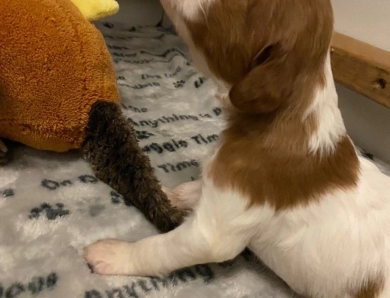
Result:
285,179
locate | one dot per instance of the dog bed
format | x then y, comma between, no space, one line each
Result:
52,205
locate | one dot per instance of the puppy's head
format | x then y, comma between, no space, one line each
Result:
264,51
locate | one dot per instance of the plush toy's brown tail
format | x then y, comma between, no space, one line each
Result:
112,150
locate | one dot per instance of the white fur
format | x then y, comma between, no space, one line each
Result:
186,195
325,108
189,9
340,241
320,248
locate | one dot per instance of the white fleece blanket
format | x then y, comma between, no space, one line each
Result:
52,206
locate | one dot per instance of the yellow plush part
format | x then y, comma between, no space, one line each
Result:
96,9
54,65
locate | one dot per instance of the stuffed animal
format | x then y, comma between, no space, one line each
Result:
58,92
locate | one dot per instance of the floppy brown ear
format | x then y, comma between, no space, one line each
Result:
267,85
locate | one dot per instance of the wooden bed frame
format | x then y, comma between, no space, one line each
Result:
361,67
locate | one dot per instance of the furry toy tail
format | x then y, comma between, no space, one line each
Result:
112,150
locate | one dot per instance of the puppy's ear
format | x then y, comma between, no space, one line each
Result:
269,82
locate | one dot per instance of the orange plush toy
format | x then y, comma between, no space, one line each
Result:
54,66
58,92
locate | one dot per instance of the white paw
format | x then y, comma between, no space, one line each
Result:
174,198
184,196
109,257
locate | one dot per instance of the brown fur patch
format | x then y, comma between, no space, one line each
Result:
280,175
372,289
272,53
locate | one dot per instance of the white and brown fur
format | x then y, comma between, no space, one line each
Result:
285,180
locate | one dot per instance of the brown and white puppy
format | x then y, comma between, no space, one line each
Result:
285,179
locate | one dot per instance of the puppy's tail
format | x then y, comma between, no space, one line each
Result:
112,150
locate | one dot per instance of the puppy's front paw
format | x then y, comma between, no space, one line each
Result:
184,196
109,257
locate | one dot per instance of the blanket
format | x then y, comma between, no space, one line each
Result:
52,205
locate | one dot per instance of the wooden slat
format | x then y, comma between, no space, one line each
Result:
361,67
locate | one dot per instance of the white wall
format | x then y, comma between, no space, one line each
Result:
366,20
369,20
